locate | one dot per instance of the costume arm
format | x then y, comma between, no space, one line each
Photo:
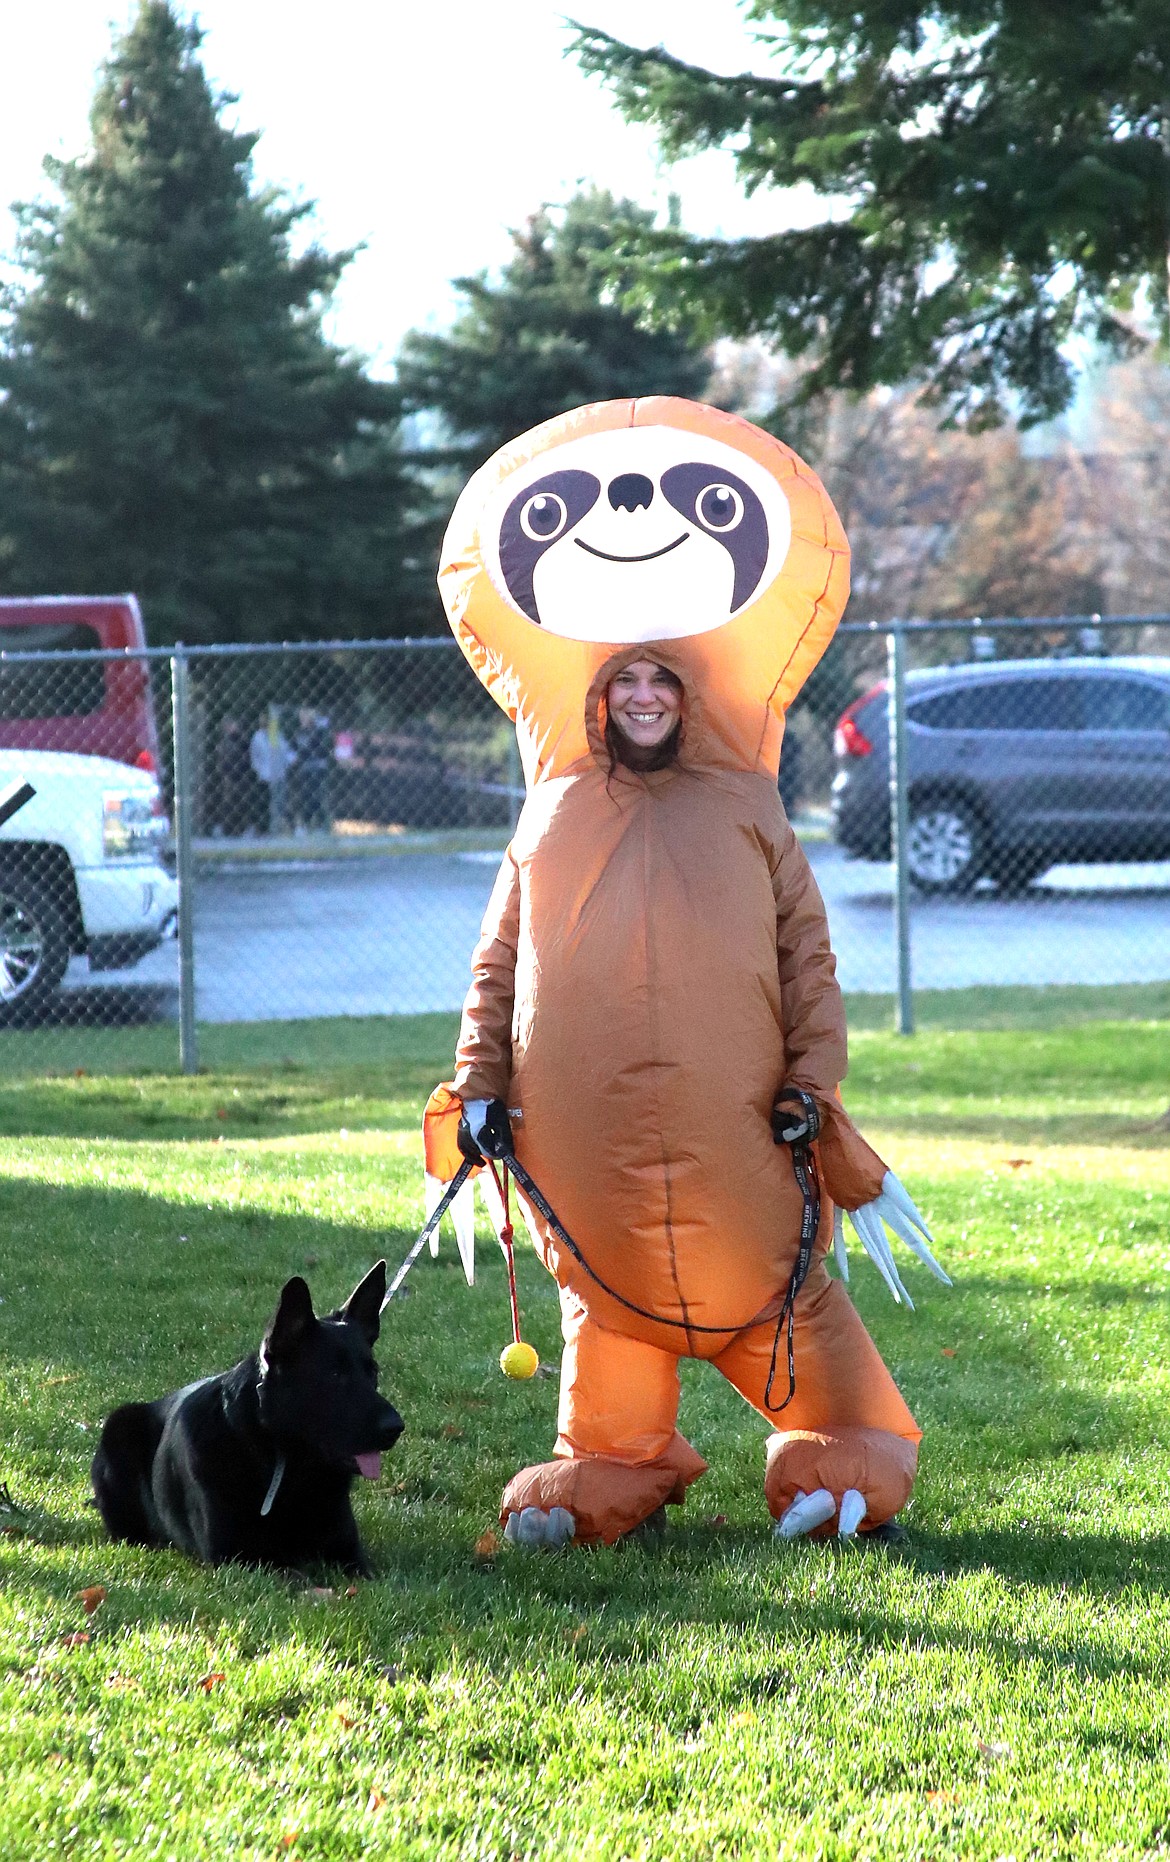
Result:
483,1056
814,1026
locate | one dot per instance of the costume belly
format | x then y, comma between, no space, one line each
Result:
648,1047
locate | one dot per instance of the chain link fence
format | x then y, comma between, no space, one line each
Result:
311,832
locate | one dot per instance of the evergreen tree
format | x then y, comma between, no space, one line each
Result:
174,420
550,334
995,174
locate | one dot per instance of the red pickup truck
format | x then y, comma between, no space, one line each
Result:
88,706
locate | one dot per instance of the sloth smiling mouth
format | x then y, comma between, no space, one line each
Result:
649,557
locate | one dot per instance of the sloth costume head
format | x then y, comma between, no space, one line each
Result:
656,529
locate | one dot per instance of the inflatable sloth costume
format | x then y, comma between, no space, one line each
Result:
655,965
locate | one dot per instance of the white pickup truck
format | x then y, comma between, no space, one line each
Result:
81,873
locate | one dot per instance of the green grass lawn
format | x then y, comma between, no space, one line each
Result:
998,1688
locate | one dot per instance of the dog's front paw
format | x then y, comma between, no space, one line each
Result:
810,1510
537,1531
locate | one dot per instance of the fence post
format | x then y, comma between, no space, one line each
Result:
184,864
900,825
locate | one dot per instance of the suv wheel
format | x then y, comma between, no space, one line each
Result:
34,949
945,846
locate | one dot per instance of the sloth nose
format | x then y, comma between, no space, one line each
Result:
630,491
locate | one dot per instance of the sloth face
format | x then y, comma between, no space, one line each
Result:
646,533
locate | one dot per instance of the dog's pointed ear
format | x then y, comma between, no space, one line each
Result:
363,1308
291,1322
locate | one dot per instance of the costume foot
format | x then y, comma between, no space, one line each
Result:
810,1510
537,1531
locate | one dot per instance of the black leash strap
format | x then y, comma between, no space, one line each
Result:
796,1128
436,1216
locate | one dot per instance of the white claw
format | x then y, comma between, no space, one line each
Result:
807,1512
903,1207
851,1514
462,1213
900,1196
463,1217
536,1530
840,1251
873,1239
530,1531
561,1527
433,1188
893,1208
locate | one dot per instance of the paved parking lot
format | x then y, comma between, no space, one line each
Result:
376,935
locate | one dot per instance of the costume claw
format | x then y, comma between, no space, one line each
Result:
895,1209
537,1530
840,1251
851,1514
807,1512
462,1213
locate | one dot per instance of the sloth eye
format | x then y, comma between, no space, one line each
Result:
719,507
544,516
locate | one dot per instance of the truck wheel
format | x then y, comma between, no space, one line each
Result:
34,949
945,846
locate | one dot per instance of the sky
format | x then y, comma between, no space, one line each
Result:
422,129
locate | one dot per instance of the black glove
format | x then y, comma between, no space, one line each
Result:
795,1119
484,1130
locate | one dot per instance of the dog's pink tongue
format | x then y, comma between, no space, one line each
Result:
369,1466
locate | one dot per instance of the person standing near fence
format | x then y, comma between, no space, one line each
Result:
272,757
312,746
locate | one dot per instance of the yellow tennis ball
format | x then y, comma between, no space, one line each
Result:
518,1360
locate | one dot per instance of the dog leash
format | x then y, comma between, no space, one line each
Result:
805,1171
436,1216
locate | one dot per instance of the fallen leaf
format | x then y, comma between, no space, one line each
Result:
75,1640
123,1684
92,1597
993,1749
351,1590
578,1635
289,1838
344,1719
948,1351
374,1802
942,1797
210,1682
79,1073
1017,1163
717,1519
452,1433
487,1544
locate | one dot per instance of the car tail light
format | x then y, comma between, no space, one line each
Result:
145,760
849,739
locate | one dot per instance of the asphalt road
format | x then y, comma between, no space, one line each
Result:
373,935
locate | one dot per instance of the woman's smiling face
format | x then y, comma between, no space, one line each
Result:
644,702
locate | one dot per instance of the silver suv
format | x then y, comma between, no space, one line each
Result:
1013,766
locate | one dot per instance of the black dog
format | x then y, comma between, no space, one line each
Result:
256,1465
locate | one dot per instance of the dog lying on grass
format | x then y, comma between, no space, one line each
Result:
256,1465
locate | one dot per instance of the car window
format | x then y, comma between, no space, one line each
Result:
1026,704
1116,704
48,689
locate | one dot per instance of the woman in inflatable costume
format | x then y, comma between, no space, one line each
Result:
654,968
